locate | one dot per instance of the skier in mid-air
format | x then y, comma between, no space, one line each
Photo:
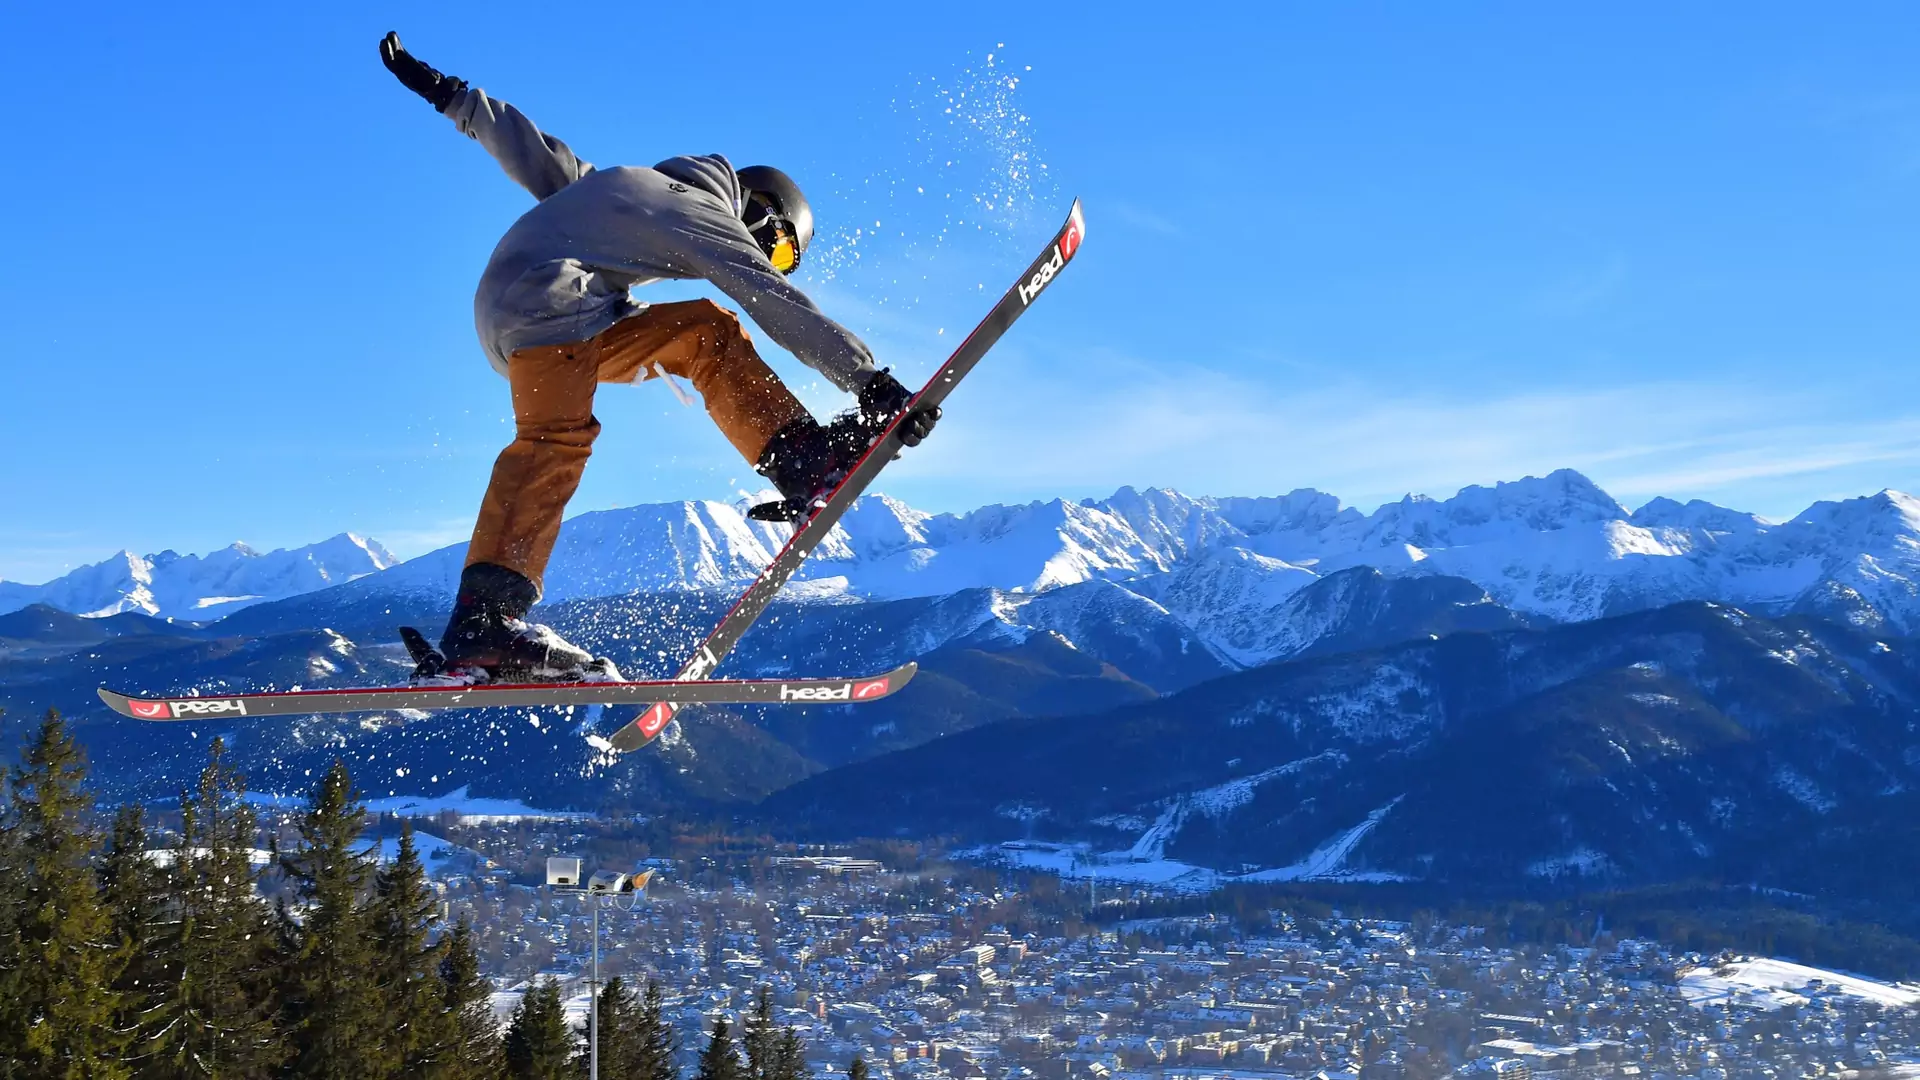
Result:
555,317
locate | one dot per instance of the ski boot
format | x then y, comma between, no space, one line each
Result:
803,463
806,462
488,640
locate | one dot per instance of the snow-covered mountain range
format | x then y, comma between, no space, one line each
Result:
1263,688
202,587
1556,548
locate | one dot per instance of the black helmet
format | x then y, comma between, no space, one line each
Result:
769,195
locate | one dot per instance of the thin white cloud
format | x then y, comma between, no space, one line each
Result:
416,540
1141,218
1203,431
1786,452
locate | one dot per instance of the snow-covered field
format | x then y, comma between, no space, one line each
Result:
575,1001
470,808
163,857
438,855
1773,984
1144,863
1074,861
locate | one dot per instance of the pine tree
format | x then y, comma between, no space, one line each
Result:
134,891
217,956
790,1059
653,1058
620,1032
66,954
470,1038
759,1036
858,1069
538,1045
720,1061
406,963
332,1007
13,1025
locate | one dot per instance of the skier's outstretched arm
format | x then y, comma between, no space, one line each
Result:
533,159
787,315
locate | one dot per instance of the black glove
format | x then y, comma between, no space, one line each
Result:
918,425
438,89
882,399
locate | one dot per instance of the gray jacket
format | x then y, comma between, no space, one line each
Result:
562,271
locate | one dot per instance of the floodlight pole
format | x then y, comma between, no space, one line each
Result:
593,983
604,884
593,986
593,997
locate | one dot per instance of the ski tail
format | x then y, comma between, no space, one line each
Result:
427,661
644,728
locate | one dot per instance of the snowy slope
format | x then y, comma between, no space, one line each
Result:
1773,984
1690,741
1236,601
202,587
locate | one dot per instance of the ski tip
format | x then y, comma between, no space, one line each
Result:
1073,232
884,685
136,708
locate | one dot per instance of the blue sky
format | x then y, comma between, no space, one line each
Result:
1368,248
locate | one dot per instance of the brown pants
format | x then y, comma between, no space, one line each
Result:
554,427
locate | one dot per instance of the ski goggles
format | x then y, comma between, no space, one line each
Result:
782,252
784,255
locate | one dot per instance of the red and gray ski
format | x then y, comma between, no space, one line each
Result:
495,695
808,533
